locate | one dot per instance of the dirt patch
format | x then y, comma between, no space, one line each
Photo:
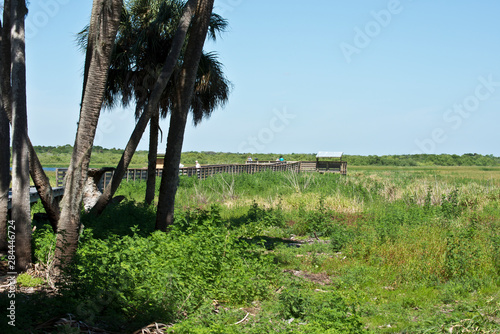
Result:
320,278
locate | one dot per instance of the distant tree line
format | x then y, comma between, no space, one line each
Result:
468,159
61,155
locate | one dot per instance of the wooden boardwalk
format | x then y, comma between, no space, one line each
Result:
203,172
57,192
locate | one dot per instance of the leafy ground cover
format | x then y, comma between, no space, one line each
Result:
395,250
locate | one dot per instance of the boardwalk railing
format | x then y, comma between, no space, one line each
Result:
135,174
57,193
132,174
251,167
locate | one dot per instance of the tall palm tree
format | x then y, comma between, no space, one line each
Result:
156,94
4,154
37,173
104,22
211,91
20,212
4,173
181,106
144,41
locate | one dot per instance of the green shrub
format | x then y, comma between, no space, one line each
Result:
322,312
340,236
318,220
120,219
462,253
44,242
293,303
170,275
328,313
260,221
450,205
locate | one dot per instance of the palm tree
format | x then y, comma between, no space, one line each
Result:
4,173
4,155
37,173
20,212
181,106
143,44
104,23
145,40
211,91
156,93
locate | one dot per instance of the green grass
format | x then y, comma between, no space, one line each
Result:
383,250
26,280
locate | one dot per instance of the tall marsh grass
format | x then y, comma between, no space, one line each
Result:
398,250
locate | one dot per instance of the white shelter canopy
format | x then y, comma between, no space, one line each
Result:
327,154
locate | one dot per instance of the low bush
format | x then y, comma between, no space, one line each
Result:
170,275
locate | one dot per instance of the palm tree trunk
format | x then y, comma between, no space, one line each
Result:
104,23
151,107
4,154
42,185
37,173
5,60
20,154
4,174
170,177
152,155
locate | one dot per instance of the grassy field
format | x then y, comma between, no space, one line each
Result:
383,250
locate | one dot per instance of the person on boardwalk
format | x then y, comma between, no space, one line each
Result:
197,164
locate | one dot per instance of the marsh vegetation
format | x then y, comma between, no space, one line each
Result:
402,250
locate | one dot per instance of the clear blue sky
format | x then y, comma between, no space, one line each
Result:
363,77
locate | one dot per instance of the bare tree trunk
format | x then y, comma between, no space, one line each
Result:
4,156
5,61
4,174
20,154
170,177
152,155
42,185
37,173
151,107
104,24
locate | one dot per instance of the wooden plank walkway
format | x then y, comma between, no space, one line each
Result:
203,172
34,197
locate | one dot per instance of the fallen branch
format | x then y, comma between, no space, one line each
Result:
245,318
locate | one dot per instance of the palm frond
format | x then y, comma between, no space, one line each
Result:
217,26
212,88
142,45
